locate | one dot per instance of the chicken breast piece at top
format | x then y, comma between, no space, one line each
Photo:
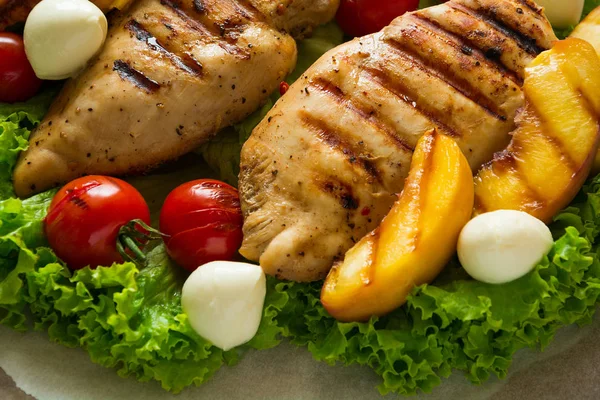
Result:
325,165
171,74
297,17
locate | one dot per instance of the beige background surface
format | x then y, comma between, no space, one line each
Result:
567,370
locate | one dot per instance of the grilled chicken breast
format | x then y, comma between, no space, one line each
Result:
171,74
325,165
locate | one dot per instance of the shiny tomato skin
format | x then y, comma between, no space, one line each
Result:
203,222
18,82
363,17
85,217
198,246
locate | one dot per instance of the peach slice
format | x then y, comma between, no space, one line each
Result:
415,240
589,30
556,138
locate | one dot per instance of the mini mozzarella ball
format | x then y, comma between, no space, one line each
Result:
501,246
61,36
562,13
224,302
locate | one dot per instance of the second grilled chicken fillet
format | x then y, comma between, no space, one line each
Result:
323,168
171,74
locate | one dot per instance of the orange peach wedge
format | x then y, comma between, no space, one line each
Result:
415,240
556,138
589,30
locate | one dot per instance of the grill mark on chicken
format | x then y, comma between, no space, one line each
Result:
433,68
184,61
526,43
243,8
128,73
218,35
468,47
350,102
401,91
331,137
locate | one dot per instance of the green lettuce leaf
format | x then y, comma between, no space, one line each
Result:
125,317
16,122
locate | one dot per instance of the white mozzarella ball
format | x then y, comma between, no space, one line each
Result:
562,13
224,302
61,36
502,246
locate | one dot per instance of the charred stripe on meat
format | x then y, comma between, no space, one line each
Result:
402,92
184,61
467,47
217,32
128,73
337,141
436,69
525,42
350,103
241,8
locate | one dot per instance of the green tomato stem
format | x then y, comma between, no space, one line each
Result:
131,236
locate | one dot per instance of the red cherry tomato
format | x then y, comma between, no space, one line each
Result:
17,79
85,217
362,17
203,221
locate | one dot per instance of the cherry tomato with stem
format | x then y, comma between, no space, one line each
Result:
363,17
85,218
18,81
202,221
